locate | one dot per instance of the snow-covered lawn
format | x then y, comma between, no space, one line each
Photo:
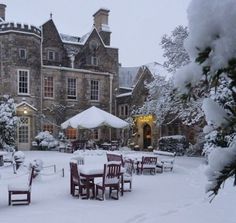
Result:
170,197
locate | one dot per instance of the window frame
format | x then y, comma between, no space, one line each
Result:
23,130
96,134
48,127
94,60
18,82
48,87
53,53
25,53
94,93
124,110
70,96
71,133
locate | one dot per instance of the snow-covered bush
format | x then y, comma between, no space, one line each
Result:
18,158
46,141
64,143
8,123
37,164
175,143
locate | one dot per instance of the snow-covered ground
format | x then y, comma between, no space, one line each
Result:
177,196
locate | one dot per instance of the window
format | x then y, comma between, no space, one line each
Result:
96,134
94,61
71,88
94,91
22,53
51,55
124,110
48,127
23,81
71,133
23,132
48,87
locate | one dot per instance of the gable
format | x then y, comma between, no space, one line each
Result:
143,76
93,36
51,36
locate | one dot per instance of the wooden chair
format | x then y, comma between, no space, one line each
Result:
148,163
127,177
111,179
78,159
115,157
77,184
24,189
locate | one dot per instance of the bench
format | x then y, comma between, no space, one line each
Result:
166,158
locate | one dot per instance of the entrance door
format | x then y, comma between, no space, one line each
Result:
146,136
24,133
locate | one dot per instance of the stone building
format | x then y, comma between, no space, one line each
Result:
131,96
53,76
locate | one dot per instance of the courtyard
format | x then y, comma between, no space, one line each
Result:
171,196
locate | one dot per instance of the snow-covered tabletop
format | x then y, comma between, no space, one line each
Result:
91,169
2,153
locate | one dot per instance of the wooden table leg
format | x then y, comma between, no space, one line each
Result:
122,184
87,188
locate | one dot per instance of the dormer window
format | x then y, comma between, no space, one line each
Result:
22,53
94,61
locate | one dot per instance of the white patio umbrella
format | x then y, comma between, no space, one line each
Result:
93,118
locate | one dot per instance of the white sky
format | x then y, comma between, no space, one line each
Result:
137,25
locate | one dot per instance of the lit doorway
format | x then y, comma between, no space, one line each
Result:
147,133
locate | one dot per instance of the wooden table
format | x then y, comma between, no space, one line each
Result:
90,172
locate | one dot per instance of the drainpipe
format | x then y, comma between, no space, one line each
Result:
41,96
111,93
110,101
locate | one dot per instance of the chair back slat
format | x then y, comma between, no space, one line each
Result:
115,157
150,160
78,159
111,173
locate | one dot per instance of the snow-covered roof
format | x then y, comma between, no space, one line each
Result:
124,94
126,88
69,38
24,103
94,117
158,69
84,38
128,75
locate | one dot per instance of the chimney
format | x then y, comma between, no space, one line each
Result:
2,11
101,24
101,18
